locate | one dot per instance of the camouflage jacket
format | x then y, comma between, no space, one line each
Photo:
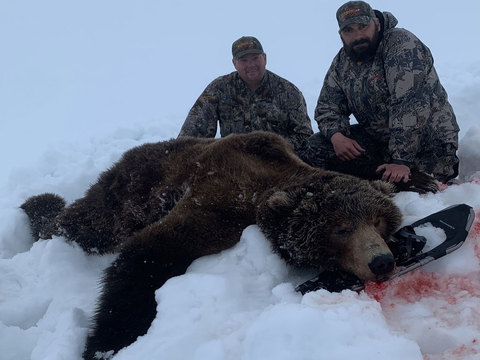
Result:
276,106
396,96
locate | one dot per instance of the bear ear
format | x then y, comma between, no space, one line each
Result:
280,201
383,186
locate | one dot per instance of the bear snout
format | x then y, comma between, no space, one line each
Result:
367,254
382,265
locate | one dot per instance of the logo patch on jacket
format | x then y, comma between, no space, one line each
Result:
375,77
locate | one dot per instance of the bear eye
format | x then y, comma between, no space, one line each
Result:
343,232
377,223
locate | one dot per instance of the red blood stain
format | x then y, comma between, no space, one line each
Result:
464,350
458,353
416,285
476,225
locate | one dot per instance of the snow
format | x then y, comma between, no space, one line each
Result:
83,83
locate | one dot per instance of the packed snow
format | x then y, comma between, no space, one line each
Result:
68,113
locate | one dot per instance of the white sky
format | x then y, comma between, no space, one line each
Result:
75,70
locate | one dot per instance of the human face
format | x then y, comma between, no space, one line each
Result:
360,41
251,69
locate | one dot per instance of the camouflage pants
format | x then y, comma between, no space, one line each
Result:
440,161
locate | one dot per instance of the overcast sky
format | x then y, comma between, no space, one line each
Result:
73,70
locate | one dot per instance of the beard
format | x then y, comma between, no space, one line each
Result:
366,51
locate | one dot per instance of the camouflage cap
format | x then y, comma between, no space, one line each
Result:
246,45
354,12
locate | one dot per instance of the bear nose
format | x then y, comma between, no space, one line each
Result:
382,264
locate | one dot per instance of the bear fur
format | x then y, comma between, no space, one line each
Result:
163,205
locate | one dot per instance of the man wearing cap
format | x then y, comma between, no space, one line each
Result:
251,98
385,77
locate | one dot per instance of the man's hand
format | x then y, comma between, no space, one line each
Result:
394,172
346,148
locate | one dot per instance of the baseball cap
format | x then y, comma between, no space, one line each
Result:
354,12
246,45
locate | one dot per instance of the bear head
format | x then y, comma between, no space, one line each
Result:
333,221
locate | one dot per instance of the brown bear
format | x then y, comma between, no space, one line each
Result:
165,204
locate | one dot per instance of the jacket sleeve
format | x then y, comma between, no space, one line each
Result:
332,111
299,122
408,72
203,117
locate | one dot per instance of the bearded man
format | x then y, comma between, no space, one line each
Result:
385,77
